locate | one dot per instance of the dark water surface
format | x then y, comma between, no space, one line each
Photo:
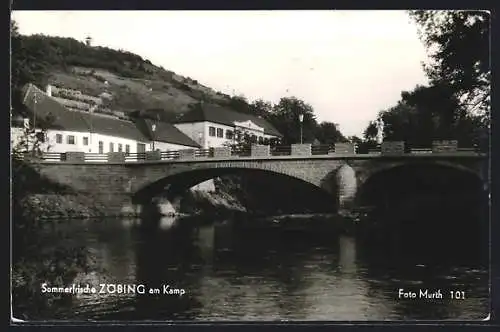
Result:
269,273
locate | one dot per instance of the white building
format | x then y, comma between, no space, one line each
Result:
78,131
214,126
164,136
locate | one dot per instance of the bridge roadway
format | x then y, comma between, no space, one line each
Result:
125,182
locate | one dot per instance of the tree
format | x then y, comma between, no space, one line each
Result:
28,65
285,118
239,104
31,141
459,47
430,113
400,123
328,133
14,29
242,141
261,108
371,132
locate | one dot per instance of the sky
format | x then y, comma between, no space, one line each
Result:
348,65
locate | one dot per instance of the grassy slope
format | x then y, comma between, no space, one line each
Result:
159,90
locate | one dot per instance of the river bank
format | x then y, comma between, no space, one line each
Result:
54,206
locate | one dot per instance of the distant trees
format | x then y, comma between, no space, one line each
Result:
329,133
284,116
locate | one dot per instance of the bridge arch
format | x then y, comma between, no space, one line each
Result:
171,186
391,179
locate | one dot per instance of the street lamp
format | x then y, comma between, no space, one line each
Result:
153,128
301,118
35,99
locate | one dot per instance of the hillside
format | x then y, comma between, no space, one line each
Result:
172,92
134,83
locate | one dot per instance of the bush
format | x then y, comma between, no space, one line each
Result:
35,259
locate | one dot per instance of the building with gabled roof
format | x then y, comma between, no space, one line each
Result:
164,136
78,131
212,126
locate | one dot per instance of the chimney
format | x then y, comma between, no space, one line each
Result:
49,90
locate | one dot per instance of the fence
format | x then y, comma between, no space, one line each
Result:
257,151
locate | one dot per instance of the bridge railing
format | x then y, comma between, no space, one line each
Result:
281,150
241,152
322,149
203,153
256,150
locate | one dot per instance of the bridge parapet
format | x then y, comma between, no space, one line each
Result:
392,148
339,150
444,146
187,154
222,152
343,148
301,149
116,157
153,155
74,157
258,150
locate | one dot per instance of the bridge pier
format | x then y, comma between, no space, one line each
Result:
347,185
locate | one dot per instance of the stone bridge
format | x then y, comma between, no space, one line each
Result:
126,185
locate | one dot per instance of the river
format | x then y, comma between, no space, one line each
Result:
270,273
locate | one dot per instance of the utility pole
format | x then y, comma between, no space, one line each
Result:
34,112
34,122
301,118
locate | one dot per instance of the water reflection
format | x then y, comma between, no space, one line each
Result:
231,273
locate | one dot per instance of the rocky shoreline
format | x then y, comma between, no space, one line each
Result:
57,206
53,206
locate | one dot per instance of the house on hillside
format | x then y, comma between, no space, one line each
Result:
75,131
214,126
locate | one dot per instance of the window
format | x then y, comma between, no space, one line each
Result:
127,148
261,140
101,147
58,138
229,134
71,139
254,139
85,141
211,131
119,147
111,147
220,132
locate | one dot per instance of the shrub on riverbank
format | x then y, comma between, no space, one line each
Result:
54,206
35,258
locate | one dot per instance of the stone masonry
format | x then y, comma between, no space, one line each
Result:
301,149
118,185
260,150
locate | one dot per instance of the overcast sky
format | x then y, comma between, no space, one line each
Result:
348,65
